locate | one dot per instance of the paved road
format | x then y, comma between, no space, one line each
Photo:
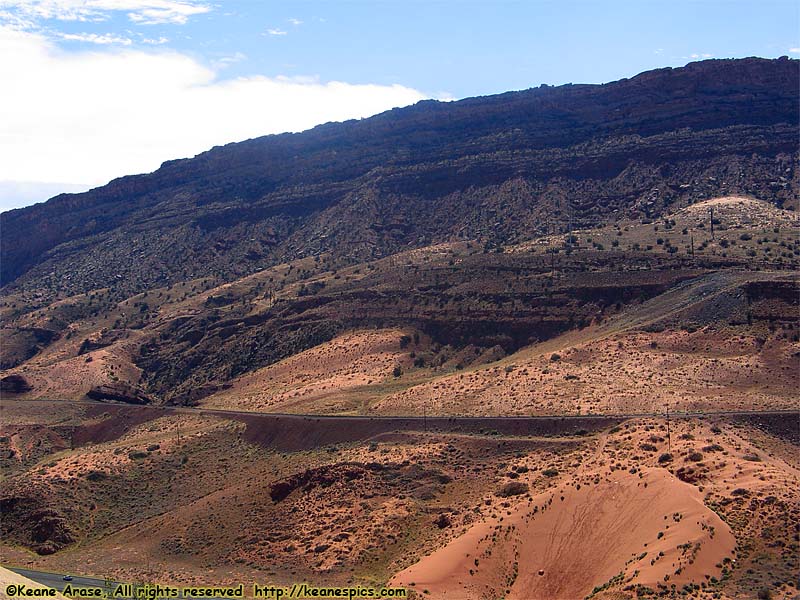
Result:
56,580
420,418
294,432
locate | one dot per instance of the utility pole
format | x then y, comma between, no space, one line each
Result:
692,241
712,221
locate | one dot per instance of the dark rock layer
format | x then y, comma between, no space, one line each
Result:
118,392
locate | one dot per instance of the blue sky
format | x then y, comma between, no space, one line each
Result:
468,48
103,88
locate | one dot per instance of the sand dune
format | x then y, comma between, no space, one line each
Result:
550,548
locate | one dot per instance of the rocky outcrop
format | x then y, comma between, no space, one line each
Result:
14,384
119,392
28,522
105,339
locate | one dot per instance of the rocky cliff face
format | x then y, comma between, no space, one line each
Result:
487,302
502,167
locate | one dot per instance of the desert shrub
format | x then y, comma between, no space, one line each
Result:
648,447
137,454
153,447
96,475
512,488
752,457
665,458
443,521
712,448
550,472
555,357
695,456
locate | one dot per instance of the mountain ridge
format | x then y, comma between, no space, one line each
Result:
369,185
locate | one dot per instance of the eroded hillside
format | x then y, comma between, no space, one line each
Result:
624,318
558,508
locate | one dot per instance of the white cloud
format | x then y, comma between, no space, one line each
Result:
295,22
697,55
276,32
148,12
794,50
227,61
93,38
92,116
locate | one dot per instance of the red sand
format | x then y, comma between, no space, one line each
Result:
581,542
